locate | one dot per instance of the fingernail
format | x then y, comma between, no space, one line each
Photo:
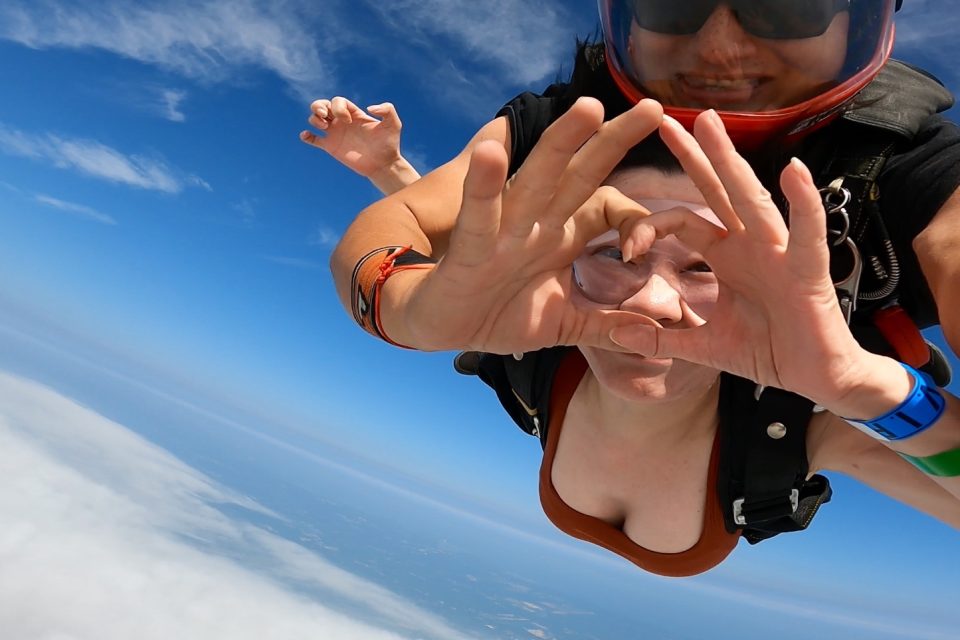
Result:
670,121
798,164
626,251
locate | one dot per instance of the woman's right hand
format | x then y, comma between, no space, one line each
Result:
505,283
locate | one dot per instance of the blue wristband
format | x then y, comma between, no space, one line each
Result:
922,408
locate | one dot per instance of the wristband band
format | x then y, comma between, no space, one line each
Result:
945,464
366,282
921,409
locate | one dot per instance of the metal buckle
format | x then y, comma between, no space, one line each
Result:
739,518
849,287
835,200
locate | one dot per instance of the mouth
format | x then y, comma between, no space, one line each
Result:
709,91
636,358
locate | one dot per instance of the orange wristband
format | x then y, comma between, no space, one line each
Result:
369,276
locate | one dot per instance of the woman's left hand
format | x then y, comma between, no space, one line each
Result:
777,320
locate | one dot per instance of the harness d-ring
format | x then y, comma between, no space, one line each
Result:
835,201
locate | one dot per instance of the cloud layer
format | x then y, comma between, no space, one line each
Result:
97,160
104,534
298,40
204,41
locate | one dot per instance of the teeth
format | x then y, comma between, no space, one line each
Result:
718,83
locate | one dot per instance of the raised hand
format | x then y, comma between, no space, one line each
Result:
777,319
504,284
352,136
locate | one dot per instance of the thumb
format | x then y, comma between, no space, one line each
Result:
657,342
387,113
599,325
641,339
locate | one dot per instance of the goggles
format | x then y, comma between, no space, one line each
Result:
603,277
770,19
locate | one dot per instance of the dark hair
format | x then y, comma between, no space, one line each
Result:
591,78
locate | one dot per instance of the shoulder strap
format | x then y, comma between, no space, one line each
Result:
523,385
763,485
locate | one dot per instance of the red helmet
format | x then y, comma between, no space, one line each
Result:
773,70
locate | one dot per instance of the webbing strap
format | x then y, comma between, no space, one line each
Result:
776,454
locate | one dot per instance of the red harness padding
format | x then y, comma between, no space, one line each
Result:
901,332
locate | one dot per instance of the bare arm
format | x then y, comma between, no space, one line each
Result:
834,446
938,250
422,214
503,283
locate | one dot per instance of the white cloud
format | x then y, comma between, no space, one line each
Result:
94,543
170,100
324,237
76,209
527,39
204,41
96,159
303,42
926,31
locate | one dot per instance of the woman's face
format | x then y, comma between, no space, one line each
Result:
670,284
724,67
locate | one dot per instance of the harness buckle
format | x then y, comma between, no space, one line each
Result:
849,286
765,510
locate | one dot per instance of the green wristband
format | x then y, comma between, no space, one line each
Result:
944,465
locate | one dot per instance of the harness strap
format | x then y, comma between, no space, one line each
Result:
763,484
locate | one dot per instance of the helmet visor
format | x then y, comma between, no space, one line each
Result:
745,56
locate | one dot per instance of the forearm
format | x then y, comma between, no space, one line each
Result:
394,177
938,250
885,386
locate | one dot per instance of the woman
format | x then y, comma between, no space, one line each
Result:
633,443
504,284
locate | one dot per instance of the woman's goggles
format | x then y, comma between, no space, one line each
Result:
771,19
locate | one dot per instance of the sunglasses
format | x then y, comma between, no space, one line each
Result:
770,19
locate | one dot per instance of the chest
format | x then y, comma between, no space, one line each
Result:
657,496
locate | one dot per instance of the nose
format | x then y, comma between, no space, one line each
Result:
722,41
659,298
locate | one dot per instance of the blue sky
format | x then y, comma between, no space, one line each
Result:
164,250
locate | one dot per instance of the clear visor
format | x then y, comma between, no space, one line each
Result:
744,55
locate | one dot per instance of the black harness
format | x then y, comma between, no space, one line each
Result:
762,483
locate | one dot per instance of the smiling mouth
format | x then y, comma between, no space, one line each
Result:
712,92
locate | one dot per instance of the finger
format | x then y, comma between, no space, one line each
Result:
691,345
695,163
387,114
313,139
536,182
320,123
340,108
693,231
748,197
473,240
807,246
321,108
597,158
596,325
606,209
